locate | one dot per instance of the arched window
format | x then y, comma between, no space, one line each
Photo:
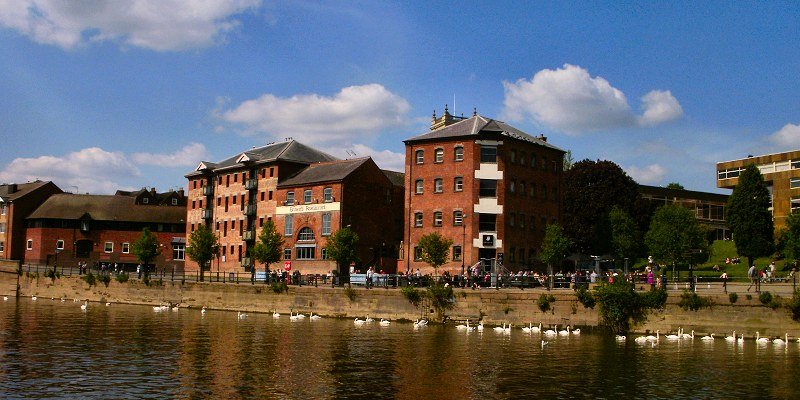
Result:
305,234
439,155
458,153
420,156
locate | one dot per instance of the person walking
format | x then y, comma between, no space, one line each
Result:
752,275
651,280
724,277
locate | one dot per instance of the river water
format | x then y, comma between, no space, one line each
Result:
50,349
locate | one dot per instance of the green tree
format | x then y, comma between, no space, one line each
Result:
555,247
568,160
146,249
674,233
203,246
749,218
625,236
675,185
435,249
342,247
268,248
791,244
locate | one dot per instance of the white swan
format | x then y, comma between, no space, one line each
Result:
385,322
293,316
203,310
707,338
369,320
673,337
781,342
5,298
314,317
620,338
423,322
33,298
731,338
359,321
640,339
551,332
500,329
655,338
241,315
84,306
276,315
576,331
301,316
536,329
507,330
564,332
108,304
480,327
462,327
761,340
175,309
528,329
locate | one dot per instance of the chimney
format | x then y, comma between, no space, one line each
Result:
180,192
542,137
153,191
12,188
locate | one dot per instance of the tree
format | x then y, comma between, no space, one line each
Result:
749,218
203,246
146,249
625,236
341,247
268,248
568,160
435,249
555,247
674,233
792,237
590,190
675,185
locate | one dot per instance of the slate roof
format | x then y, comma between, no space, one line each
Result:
290,150
331,171
474,126
682,193
106,208
21,190
397,178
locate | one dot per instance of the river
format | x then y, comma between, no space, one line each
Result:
53,349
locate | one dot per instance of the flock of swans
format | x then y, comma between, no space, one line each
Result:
680,335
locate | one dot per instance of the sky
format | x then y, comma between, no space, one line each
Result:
103,95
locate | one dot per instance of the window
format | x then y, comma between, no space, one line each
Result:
269,195
108,247
437,218
271,172
417,253
418,219
326,224
488,188
307,196
29,244
533,160
178,251
458,217
2,247
522,188
2,227
544,223
59,244
287,254
544,192
521,158
327,195
458,184
456,253
289,198
146,200
458,153
544,163
512,187
438,155
174,202
512,219
419,155
522,221
305,253
305,234
533,223
554,193
795,164
794,183
513,156
487,222
126,247
533,190
418,186
488,154
521,256
511,255
3,209
438,185
324,253
288,226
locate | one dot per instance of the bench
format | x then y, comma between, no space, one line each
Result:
358,279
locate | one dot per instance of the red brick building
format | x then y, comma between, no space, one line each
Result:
235,197
486,185
71,228
17,201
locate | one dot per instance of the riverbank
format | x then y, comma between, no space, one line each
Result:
518,307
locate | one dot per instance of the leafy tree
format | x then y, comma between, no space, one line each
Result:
749,218
590,190
435,249
568,160
341,247
625,236
203,246
673,232
146,249
791,243
555,247
675,185
268,248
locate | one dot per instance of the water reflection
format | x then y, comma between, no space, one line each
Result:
50,349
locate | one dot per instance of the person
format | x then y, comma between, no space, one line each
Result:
370,274
727,260
724,277
593,277
751,274
651,280
139,271
771,275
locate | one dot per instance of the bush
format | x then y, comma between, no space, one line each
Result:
619,304
412,295
441,297
794,305
733,297
545,302
280,287
585,297
122,277
765,298
89,278
655,299
507,309
52,274
749,297
691,301
350,293
105,278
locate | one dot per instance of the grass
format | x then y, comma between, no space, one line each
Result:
719,251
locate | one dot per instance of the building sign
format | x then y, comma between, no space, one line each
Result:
307,208
287,265
488,240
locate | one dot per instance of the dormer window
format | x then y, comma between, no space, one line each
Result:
174,202
145,200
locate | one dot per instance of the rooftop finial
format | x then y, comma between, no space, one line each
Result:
445,108
434,113
474,111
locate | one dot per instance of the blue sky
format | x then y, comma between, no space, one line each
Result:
100,96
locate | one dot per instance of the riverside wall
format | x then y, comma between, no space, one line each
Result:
518,307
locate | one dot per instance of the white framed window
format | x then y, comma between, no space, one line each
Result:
287,254
289,198
288,226
326,224
458,153
324,252
418,219
438,185
29,244
327,194
305,234
418,186
174,202
795,164
126,248
438,155
2,227
437,218
417,253
794,204
2,247
419,156
305,253
108,247
59,244
458,184
307,196
178,251
458,217
456,253
794,183
146,200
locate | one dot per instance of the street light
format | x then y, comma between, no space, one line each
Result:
463,243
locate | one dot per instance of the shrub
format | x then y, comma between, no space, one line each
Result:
105,278
733,297
280,287
749,297
794,305
146,279
619,304
122,277
507,309
545,302
441,297
89,278
655,299
585,297
52,274
691,301
350,293
765,298
412,295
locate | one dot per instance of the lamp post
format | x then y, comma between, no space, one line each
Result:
463,243
55,262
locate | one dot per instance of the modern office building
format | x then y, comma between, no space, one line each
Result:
781,173
708,208
71,228
17,202
486,185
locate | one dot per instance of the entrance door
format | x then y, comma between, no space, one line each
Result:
83,248
486,256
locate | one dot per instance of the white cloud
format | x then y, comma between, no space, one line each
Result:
188,156
788,136
92,170
570,100
161,25
651,174
386,159
356,111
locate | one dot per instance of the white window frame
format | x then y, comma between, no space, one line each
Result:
145,200
287,253
2,227
307,196
326,224
327,194
419,156
438,185
126,248
418,217
2,246
419,186
438,155
458,253
105,247
174,202
458,217
288,225
458,153
29,244
290,198
794,183
438,218
60,244
179,251
458,184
